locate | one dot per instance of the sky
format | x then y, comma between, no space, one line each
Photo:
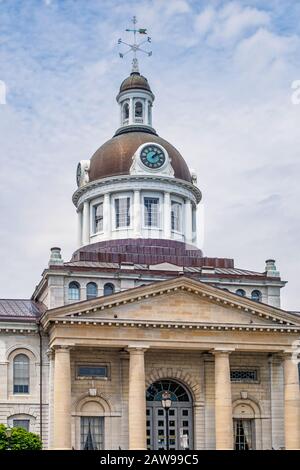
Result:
226,78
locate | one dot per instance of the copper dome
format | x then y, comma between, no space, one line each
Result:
115,156
135,81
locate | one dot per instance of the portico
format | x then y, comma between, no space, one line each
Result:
182,331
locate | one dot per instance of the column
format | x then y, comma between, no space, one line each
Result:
62,399
131,111
188,221
106,216
167,215
137,214
291,403
50,355
194,225
137,399
79,226
146,120
223,402
86,223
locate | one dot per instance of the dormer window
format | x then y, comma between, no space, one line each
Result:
138,112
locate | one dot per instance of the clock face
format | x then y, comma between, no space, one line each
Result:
78,174
152,156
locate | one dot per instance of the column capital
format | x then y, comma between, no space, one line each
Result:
137,349
222,351
50,353
60,348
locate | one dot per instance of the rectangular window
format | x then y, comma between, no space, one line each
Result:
21,374
151,211
92,371
98,217
92,433
122,210
244,375
21,423
176,216
243,434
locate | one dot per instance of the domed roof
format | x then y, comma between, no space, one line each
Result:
135,81
115,156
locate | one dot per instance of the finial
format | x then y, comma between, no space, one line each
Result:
135,47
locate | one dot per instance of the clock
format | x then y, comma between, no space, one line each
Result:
153,157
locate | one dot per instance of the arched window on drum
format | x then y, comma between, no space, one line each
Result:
108,289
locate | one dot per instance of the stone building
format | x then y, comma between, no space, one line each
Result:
141,341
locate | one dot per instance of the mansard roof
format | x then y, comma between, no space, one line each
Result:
20,309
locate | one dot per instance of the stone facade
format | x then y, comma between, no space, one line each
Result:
90,368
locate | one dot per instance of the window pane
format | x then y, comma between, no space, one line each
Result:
92,433
98,217
151,211
92,371
74,291
244,375
243,434
138,109
126,111
21,423
21,374
176,210
109,289
122,209
91,290
256,295
241,292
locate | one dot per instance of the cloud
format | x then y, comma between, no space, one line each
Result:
222,78
225,25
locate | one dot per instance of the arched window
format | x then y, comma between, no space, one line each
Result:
91,290
125,112
179,416
108,289
241,292
256,295
138,111
74,291
21,373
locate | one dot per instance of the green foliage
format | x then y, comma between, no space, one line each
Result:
20,439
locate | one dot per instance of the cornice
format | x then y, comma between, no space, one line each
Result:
12,328
178,325
212,294
138,178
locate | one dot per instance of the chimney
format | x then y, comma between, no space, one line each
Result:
55,257
270,268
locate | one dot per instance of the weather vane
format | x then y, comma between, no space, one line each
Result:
135,47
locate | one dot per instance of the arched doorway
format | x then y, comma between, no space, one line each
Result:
178,420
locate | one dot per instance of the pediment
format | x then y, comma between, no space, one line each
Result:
181,300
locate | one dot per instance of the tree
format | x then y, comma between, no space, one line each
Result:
20,439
